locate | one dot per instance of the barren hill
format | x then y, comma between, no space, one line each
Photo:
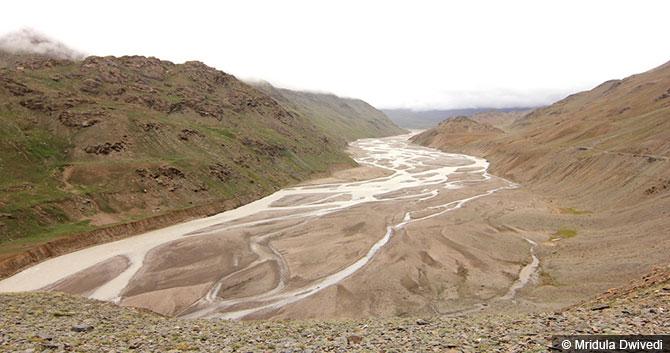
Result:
142,142
461,130
618,131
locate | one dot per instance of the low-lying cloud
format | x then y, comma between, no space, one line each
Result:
29,41
435,98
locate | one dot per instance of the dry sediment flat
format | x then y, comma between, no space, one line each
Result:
87,280
388,238
352,174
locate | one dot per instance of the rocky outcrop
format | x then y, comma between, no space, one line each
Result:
221,172
80,119
106,148
187,134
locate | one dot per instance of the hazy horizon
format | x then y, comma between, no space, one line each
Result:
430,57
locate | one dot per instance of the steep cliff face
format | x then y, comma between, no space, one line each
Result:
106,140
607,147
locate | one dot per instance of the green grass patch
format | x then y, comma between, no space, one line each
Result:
41,193
564,233
67,228
41,150
219,132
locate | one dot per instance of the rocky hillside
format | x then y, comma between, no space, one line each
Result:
86,146
338,117
34,322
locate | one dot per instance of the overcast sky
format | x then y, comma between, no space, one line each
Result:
414,54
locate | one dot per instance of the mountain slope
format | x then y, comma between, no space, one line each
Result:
107,141
597,167
605,148
338,117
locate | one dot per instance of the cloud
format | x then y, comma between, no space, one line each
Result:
29,41
439,55
486,98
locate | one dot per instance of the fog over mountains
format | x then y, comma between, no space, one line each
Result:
28,41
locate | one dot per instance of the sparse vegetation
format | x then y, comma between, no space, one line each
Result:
574,211
564,233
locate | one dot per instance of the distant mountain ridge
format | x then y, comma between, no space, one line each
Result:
424,119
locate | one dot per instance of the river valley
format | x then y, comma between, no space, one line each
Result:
334,243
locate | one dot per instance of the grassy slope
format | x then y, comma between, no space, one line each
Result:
111,140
